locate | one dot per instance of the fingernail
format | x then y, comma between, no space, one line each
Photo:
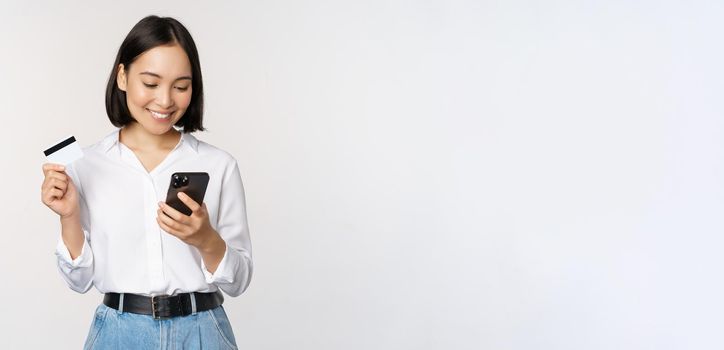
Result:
160,203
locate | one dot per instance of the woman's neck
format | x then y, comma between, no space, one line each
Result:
135,137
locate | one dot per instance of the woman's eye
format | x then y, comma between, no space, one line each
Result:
182,88
150,85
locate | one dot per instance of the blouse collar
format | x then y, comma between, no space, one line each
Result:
186,140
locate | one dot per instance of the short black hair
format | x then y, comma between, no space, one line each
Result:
150,32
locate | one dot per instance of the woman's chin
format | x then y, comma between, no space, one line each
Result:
159,129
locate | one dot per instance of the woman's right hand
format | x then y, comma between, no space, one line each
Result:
58,191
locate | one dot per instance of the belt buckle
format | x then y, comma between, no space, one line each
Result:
153,307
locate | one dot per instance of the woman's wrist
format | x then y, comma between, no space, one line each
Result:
213,244
212,251
72,234
70,219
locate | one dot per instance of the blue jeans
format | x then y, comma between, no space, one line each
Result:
112,329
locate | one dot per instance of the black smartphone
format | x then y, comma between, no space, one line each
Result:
193,184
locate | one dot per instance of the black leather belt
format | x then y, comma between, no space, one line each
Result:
164,306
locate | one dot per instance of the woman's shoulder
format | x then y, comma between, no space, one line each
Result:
104,144
207,150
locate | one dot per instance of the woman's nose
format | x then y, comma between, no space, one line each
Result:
163,98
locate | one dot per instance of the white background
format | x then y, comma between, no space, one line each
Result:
419,174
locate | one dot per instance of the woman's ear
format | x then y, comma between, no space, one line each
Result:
121,79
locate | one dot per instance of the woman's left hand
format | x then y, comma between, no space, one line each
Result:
194,230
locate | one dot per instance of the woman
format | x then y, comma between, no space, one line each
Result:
161,271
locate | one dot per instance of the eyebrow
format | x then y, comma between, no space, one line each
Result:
158,76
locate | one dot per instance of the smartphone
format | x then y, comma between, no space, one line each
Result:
193,184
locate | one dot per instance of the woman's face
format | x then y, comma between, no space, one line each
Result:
158,87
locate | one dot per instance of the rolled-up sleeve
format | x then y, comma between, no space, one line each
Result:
234,272
78,272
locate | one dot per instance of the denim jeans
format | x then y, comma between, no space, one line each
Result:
112,329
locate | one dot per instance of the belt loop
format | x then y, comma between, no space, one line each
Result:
120,303
193,303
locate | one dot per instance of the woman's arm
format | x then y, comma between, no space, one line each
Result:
75,257
234,271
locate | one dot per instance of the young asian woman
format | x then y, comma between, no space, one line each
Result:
161,272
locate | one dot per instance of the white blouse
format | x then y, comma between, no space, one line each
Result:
125,250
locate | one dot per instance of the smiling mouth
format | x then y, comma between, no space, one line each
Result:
158,115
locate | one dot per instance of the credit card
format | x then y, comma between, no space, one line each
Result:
64,152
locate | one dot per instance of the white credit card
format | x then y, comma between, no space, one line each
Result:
64,152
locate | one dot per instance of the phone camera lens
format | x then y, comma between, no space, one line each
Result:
179,181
